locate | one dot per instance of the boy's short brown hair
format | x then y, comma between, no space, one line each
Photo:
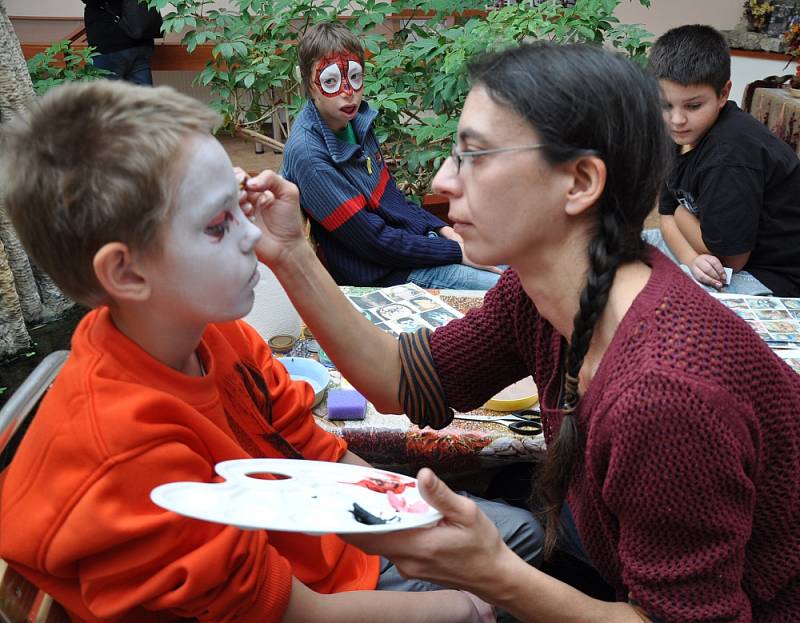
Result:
690,55
92,163
321,40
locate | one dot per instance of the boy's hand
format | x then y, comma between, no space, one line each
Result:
450,233
468,262
484,610
273,204
708,269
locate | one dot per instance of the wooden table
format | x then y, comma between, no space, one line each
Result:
391,441
780,112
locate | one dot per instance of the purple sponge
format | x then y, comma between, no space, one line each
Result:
346,404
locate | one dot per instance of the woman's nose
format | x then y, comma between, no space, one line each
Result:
446,181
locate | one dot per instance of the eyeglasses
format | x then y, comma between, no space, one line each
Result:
459,156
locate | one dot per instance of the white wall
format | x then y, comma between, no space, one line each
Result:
665,14
59,8
44,8
721,14
661,16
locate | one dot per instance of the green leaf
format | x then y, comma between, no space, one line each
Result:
224,49
240,48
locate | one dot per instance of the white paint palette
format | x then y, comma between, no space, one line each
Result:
313,497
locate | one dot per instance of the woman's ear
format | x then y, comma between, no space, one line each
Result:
118,274
588,182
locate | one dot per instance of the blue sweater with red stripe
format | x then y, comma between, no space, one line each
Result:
368,232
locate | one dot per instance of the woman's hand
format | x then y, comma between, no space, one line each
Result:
273,204
462,550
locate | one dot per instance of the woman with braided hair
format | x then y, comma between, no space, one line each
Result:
673,431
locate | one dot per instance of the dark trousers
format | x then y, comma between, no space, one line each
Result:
131,64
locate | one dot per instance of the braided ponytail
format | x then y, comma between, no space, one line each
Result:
563,452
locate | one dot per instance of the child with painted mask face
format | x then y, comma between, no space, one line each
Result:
367,231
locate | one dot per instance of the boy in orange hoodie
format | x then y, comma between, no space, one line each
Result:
121,194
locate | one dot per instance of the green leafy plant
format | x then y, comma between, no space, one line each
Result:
416,65
418,79
62,62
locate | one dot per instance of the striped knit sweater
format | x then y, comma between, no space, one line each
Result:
367,231
686,496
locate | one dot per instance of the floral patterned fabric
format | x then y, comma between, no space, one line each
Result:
779,110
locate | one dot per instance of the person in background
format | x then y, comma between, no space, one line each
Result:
732,198
125,58
672,430
368,233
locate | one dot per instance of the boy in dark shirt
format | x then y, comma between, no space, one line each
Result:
732,198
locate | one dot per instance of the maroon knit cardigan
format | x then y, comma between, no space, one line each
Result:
687,495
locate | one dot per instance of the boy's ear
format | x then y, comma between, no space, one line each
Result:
118,274
725,93
588,182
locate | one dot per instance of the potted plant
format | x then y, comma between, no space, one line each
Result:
757,14
791,42
415,68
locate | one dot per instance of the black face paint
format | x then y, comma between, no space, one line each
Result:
364,516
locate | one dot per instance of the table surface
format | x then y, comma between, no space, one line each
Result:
393,442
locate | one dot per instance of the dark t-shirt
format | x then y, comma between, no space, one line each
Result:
744,184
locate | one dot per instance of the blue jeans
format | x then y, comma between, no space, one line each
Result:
453,277
741,282
569,540
131,64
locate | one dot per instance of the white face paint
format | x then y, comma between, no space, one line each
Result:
339,74
330,80
355,75
337,86
207,269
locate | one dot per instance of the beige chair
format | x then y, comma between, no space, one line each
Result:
21,601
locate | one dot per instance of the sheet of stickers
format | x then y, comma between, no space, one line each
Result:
792,357
401,308
775,319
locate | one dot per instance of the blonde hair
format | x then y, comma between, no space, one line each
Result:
92,163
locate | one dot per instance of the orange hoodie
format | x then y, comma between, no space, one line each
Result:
75,511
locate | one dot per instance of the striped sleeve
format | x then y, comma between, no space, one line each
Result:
420,392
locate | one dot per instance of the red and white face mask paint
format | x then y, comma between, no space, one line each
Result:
339,74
